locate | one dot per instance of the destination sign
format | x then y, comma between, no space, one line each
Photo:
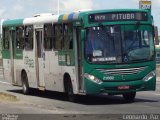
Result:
125,16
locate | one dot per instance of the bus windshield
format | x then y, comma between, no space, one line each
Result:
111,44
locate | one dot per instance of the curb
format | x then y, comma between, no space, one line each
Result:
8,97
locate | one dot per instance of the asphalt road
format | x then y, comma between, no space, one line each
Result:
48,102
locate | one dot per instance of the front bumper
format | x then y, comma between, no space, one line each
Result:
93,88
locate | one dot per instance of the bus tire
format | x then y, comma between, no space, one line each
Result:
70,94
129,97
25,85
69,90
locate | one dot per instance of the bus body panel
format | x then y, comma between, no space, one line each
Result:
53,76
47,68
19,65
7,70
30,68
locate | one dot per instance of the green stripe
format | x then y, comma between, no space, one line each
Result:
60,19
14,22
6,54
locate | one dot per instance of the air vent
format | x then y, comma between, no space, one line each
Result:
122,71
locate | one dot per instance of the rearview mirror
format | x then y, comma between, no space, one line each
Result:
155,33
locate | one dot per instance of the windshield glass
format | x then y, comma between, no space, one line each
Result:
137,45
110,44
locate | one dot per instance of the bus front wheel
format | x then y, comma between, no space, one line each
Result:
70,94
129,97
25,85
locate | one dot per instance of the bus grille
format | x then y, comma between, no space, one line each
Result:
122,71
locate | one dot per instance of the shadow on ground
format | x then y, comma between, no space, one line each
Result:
86,100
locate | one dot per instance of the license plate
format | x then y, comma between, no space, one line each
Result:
123,87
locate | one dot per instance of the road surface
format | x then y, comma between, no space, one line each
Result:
48,102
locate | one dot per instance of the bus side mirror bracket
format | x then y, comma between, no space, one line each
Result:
155,34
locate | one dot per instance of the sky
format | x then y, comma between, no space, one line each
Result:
11,9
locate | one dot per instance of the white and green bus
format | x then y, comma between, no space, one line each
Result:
89,53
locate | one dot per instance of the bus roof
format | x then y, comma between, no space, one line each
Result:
79,15
61,18
40,20
13,22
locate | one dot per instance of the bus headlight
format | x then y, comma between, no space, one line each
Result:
149,76
92,78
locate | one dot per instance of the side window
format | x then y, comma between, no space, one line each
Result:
68,36
58,36
20,37
6,38
48,36
29,37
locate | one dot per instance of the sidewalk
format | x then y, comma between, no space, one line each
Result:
158,79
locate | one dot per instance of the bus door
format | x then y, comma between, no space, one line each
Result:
12,35
39,57
79,59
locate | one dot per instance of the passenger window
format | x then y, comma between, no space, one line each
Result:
68,36
48,36
6,38
29,37
58,37
20,37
